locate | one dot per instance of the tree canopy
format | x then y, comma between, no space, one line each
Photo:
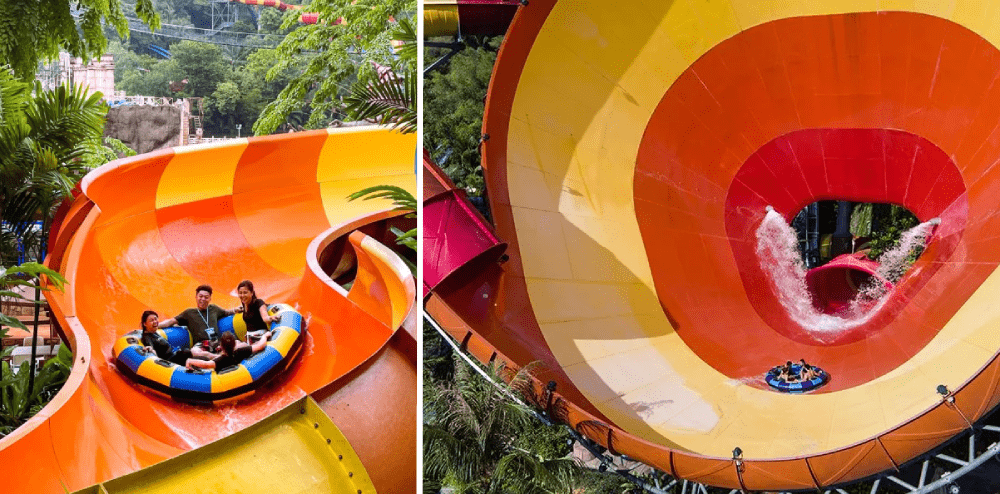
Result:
35,30
453,112
350,41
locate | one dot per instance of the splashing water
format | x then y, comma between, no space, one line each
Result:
777,250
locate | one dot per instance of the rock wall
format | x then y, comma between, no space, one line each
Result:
145,128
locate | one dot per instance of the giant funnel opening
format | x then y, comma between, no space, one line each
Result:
630,162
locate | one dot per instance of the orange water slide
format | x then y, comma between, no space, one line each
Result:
146,230
630,159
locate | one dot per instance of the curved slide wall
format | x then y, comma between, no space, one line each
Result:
258,209
630,160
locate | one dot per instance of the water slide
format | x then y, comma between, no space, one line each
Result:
631,150
306,18
145,231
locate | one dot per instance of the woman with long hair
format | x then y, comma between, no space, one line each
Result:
254,309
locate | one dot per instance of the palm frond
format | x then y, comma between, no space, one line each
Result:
402,199
406,34
17,275
390,99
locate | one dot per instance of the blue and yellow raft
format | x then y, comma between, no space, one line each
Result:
202,385
796,386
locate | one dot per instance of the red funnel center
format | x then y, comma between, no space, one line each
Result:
768,118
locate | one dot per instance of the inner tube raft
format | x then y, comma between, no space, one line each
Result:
203,385
798,386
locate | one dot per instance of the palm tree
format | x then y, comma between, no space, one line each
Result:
479,440
388,97
25,276
43,140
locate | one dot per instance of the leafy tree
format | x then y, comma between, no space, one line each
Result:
343,51
32,31
893,222
182,12
271,21
147,76
478,440
202,64
388,98
454,99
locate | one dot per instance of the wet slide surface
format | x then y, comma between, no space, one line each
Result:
166,222
630,161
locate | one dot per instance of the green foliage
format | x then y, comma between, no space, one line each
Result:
390,98
343,52
473,439
271,20
42,145
479,440
99,153
34,31
25,275
402,200
453,113
387,100
892,226
17,404
146,76
202,64
238,92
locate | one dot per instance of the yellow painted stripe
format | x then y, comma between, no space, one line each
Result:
361,152
231,380
240,327
353,159
156,372
284,341
395,275
122,343
188,179
338,209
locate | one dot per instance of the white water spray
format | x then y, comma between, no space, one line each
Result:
777,250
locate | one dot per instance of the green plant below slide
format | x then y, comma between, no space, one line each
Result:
17,403
25,276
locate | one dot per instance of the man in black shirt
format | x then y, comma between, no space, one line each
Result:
155,343
233,352
199,320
